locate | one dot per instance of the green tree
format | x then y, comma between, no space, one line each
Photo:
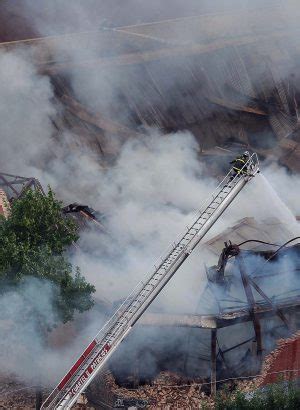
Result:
277,396
33,243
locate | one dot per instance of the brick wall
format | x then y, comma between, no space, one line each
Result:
283,363
4,204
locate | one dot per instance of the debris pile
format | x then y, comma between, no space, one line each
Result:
283,363
167,391
15,396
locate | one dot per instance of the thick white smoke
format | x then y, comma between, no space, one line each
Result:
147,197
26,313
25,113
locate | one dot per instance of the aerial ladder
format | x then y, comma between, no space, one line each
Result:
119,325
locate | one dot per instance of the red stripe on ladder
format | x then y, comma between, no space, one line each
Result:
77,364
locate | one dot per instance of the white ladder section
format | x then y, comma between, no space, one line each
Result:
116,329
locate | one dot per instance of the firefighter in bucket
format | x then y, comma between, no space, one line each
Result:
239,165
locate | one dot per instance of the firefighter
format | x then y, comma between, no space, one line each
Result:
238,164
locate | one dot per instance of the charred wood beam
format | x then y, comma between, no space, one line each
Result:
38,185
211,288
17,180
222,355
235,106
14,182
86,134
262,310
274,307
272,275
96,119
213,346
168,52
284,149
15,176
196,321
23,183
238,345
28,185
93,219
218,321
32,183
8,184
251,303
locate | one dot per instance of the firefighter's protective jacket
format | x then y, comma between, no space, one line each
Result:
238,165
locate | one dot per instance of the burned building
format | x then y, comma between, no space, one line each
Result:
230,78
232,86
241,313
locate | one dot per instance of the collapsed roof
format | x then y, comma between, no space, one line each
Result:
228,86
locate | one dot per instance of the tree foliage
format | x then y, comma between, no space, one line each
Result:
33,241
276,396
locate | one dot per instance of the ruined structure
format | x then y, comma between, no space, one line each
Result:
15,185
235,326
282,364
228,86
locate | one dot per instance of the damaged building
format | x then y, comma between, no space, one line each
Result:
239,318
228,86
222,77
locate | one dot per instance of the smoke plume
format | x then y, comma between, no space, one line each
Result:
147,196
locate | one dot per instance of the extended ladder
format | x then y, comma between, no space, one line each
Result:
116,329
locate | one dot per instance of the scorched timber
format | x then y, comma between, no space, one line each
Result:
262,310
